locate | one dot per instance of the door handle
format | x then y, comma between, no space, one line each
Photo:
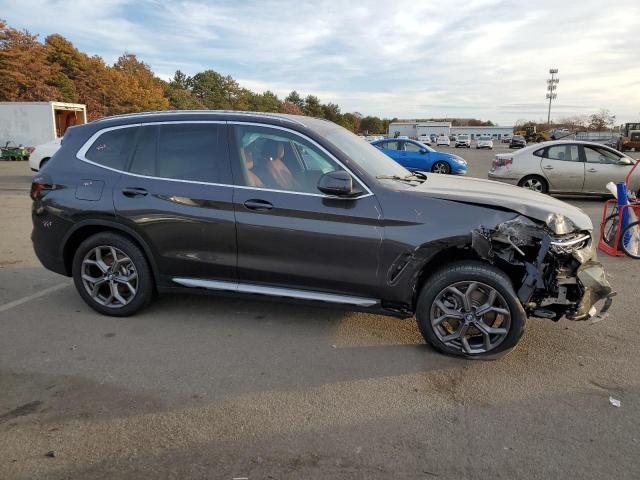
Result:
592,170
133,192
548,167
258,205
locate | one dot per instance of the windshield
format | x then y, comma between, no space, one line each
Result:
365,155
463,137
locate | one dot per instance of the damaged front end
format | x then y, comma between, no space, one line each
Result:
555,264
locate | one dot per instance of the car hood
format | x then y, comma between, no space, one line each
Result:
537,206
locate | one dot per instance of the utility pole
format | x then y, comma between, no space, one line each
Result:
552,85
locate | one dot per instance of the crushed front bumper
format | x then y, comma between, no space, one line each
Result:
596,288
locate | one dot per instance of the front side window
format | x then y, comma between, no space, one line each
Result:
567,153
600,155
112,148
279,160
391,146
411,147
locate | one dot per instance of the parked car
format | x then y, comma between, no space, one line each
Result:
299,208
424,138
484,142
506,139
564,166
463,141
443,140
414,156
517,141
41,154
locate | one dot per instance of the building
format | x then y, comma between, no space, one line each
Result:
35,123
496,133
415,128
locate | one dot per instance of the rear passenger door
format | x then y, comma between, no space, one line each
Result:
176,194
563,167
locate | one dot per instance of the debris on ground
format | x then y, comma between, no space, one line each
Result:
50,453
615,402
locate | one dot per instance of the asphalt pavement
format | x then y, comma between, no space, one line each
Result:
215,387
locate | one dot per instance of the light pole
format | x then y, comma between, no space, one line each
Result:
552,85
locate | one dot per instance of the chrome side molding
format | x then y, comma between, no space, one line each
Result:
275,291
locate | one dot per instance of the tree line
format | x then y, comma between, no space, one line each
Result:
55,70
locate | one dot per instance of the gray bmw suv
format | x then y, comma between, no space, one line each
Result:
301,209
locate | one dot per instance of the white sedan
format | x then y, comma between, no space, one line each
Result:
443,140
42,153
485,142
564,166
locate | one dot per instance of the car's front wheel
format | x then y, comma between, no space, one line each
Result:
441,167
112,274
470,309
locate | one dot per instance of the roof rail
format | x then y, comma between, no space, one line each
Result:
283,117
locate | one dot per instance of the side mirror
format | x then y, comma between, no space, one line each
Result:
624,161
337,183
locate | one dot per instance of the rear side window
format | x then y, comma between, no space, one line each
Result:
539,153
112,148
567,153
187,151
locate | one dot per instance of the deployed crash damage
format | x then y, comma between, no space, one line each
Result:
555,261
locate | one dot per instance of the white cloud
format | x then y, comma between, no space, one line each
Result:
484,58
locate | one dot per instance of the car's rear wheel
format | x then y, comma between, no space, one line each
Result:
112,275
470,309
535,183
441,167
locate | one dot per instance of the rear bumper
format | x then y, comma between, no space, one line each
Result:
503,179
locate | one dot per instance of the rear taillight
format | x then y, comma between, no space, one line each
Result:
502,161
39,185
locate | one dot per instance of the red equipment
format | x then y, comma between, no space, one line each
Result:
611,207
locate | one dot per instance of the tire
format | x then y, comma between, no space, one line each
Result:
609,229
441,167
133,295
533,181
630,240
507,328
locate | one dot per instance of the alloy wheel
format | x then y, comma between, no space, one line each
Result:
471,317
533,184
109,276
440,167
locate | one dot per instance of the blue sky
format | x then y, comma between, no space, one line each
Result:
487,59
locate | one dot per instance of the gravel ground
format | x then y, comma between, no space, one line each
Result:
213,387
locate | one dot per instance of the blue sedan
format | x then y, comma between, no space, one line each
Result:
414,155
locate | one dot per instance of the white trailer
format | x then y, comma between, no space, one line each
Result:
35,123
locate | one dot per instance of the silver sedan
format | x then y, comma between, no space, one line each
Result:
564,166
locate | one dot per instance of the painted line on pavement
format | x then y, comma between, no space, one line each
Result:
28,298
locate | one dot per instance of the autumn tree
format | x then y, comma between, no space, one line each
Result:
602,120
26,73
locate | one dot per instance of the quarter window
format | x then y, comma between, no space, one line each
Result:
567,153
112,148
279,160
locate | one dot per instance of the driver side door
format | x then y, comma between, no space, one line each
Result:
413,157
602,167
294,237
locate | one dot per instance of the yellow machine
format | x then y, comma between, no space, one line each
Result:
630,137
531,134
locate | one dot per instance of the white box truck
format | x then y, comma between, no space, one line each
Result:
34,123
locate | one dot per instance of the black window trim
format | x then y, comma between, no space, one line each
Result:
81,155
